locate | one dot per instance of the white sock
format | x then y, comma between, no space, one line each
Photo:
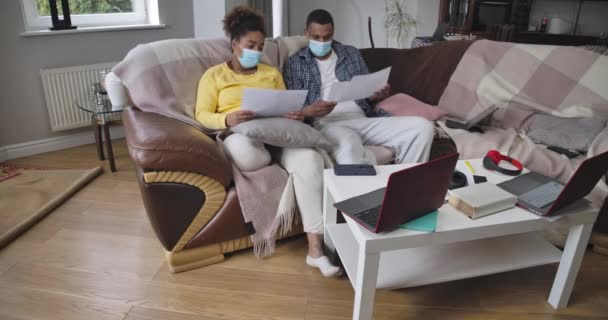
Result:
323,263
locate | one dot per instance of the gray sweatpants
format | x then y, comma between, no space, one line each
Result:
409,137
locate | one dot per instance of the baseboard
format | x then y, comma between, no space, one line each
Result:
53,144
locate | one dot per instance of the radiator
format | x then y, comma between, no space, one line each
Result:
64,86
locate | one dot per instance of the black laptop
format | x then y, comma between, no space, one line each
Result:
545,196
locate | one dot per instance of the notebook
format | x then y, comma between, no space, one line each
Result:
426,223
480,200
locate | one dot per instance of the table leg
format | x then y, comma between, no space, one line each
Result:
106,131
98,138
578,237
365,286
330,216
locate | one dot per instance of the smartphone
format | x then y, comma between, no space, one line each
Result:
568,153
354,170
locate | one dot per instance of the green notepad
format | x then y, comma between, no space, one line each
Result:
426,223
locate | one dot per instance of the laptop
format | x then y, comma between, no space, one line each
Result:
545,196
409,194
473,121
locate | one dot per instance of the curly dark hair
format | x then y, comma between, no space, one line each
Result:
243,19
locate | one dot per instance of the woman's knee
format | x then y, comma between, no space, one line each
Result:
303,161
246,154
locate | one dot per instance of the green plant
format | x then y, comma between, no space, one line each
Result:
88,6
399,23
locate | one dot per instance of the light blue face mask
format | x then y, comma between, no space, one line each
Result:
319,49
250,58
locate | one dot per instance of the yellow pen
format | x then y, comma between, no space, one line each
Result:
469,166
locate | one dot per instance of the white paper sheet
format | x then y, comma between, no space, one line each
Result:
359,87
273,103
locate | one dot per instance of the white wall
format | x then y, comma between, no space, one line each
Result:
350,18
427,17
208,15
23,114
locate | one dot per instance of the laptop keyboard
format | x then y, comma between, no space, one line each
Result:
369,216
543,195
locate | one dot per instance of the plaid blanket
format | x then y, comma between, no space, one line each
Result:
522,79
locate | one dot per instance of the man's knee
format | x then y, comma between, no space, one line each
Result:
425,130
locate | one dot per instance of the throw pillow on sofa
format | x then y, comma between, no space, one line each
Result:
282,132
404,105
574,134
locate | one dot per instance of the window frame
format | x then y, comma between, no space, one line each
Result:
35,22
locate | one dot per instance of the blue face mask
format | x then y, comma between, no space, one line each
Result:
319,49
250,58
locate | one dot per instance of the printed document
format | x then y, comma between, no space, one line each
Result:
273,103
359,87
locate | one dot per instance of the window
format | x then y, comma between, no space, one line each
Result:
87,13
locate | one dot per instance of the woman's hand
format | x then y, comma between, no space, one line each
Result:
319,109
234,118
296,115
381,94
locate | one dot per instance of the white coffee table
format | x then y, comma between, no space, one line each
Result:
460,248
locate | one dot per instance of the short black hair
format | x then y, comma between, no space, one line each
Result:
319,16
243,19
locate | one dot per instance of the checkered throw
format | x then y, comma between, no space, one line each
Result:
522,79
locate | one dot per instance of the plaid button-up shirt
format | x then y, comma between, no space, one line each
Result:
301,72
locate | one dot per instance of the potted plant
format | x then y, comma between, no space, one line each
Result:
399,23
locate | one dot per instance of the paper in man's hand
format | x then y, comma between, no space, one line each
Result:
359,87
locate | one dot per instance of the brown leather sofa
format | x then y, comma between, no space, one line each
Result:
187,184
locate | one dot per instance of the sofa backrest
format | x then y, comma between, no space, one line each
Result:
163,76
423,72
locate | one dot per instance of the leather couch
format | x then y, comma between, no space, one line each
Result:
187,184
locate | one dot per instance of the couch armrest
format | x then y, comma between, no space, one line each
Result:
157,142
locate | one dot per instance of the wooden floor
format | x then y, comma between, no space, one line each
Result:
96,257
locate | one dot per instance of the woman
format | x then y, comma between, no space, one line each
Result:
218,106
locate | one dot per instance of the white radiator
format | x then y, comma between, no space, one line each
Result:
64,86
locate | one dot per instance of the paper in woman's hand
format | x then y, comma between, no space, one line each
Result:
273,103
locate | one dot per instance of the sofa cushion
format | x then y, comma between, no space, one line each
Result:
404,105
283,132
573,134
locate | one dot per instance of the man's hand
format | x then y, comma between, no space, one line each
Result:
318,109
381,94
234,118
296,115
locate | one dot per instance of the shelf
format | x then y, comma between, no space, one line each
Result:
454,261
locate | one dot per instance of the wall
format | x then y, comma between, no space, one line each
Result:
208,15
593,19
350,18
23,114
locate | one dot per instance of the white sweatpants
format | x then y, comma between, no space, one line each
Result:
305,165
409,137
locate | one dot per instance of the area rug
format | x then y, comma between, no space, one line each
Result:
27,195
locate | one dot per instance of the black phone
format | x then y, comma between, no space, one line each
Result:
354,170
568,153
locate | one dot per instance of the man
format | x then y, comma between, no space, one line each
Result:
352,124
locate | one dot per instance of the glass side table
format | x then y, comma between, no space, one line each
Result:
101,111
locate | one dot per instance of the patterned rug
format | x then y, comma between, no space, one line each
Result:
29,193
9,169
